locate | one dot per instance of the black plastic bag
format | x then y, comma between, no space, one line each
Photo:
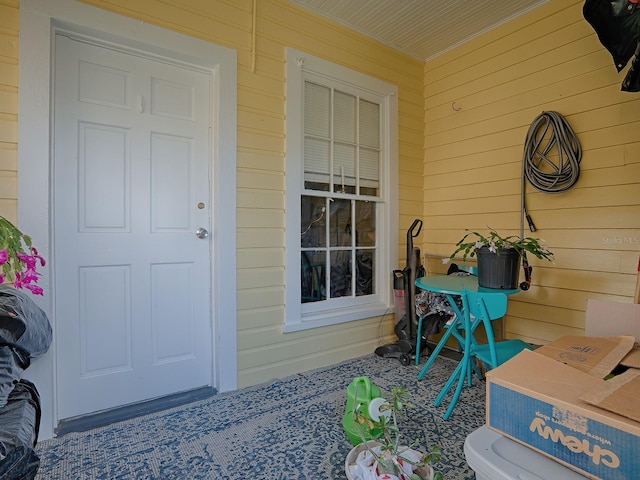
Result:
19,426
22,463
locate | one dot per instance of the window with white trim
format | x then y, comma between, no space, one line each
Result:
341,193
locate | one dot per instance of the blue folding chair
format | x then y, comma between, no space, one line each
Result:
486,307
479,307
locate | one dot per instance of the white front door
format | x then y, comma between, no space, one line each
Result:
131,188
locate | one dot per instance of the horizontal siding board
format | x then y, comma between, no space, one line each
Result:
8,128
9,208
261,180
550,314
261,102
539,333
8,157
260,121
632,153
261,277
259,237
506,179
258,298
259,199
257,160
8,73
10,14
271,343
249,138
262,84
257,373
9,101
8,45
265,219
8,185
249,258
259,318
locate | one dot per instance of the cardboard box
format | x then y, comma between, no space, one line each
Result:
604,318
597,356
607,319
536,401
632,359
618,395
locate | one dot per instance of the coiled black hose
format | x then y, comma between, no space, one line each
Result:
549,132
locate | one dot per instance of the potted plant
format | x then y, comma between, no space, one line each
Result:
499,256
19,259
385,453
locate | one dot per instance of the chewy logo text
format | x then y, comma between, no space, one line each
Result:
597,454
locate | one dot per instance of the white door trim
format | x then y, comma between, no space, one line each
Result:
38,22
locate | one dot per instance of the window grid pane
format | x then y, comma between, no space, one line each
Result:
344,168
317,110
313,276
316,162
344,117
369,124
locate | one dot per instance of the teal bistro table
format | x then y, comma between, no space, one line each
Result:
461,327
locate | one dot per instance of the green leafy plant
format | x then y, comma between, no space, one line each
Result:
472,241
393,451
19,259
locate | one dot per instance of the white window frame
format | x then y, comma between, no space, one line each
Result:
298,316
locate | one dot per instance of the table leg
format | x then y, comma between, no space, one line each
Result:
436,351
462,370
451,330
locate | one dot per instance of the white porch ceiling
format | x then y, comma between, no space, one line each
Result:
421,28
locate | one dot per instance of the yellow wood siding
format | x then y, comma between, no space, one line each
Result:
264,352
480,100
9,25
462,121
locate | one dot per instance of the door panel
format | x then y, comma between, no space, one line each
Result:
131,187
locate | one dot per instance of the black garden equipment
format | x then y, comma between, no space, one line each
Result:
25,334
405,294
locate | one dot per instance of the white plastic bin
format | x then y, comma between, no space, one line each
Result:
495,457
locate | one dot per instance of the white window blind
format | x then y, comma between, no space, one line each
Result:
342,137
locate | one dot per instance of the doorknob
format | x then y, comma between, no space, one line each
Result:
202,233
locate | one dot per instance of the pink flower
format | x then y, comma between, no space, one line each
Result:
34,252
28,274
35,289
18,258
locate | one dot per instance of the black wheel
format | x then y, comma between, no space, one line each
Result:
404,359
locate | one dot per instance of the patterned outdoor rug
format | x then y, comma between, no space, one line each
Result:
287,429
